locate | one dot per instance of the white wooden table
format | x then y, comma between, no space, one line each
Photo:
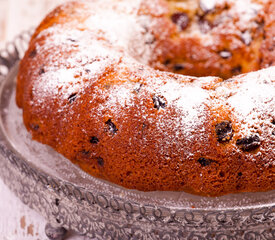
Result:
17,221
19,15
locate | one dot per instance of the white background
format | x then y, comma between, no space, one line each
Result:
17,221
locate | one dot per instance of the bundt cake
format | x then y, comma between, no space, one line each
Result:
168,95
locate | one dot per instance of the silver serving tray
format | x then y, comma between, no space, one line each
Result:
68,197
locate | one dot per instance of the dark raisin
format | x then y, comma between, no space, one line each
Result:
41,71
273,121
112,127
205,26
224,131
100,161
85,152
240,174
87,70
145,29
178,67
35,127
94,140
128,173
205,162
138,87
167,62
249,143
237,70
181,19
144,129
57,202
159,102
33,53
271,48
72,97
72,40
144,126
246,38
225,54
261,25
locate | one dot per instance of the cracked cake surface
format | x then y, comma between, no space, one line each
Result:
163,95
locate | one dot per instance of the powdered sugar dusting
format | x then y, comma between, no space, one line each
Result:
188,101
115,38
253,101
122,28
247,10
88,59
92,50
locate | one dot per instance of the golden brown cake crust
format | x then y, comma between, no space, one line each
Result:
90,87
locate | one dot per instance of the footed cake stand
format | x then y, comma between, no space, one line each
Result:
71,199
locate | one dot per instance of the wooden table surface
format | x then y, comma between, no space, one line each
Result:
17,221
